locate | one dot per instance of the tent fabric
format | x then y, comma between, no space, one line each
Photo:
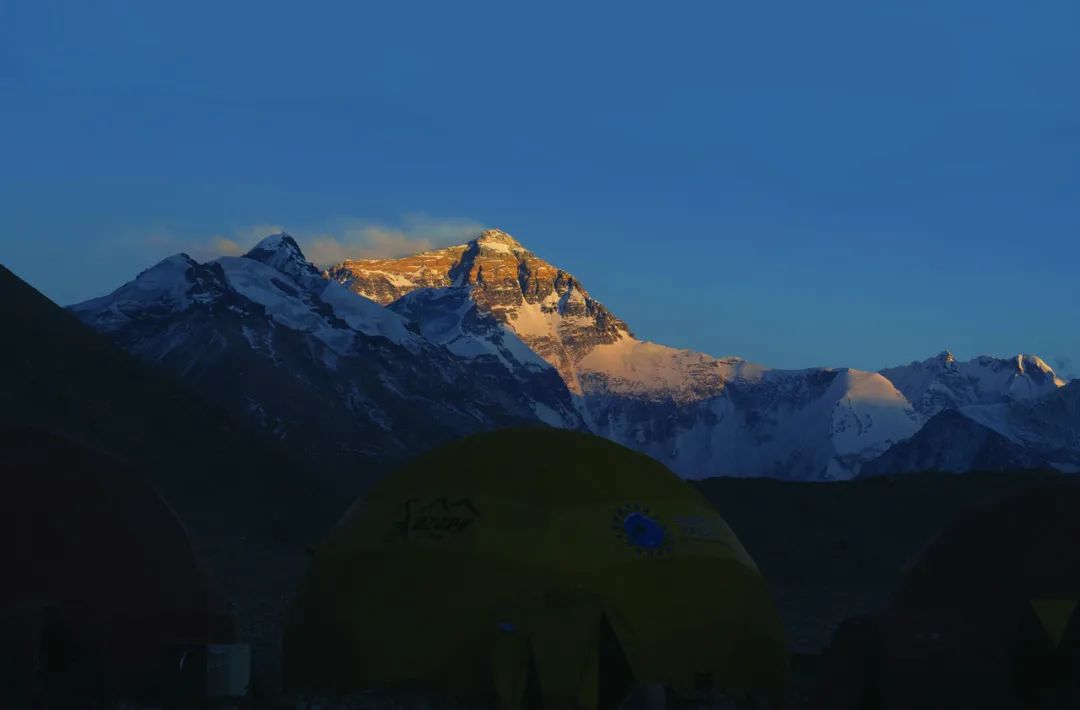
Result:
511,661
543,535
1016,563
846,680
1055,615
565,636
1023,547
986,617
92,552
914,659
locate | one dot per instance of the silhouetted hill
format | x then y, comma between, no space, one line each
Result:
61,375
248,507
834,550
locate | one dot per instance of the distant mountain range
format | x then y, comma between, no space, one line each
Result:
372,360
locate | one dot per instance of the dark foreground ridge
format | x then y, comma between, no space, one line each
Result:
248,508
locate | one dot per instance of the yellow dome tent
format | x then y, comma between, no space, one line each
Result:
534,563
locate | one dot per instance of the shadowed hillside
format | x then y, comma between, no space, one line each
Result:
830,551
63,376
247,506
834,550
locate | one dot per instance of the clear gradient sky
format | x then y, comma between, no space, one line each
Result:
841,183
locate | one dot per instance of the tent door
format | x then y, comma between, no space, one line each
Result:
615,678
533,697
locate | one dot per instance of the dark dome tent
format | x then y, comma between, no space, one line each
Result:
914,658
1021,552
987,615
1015,564
537,568
103,594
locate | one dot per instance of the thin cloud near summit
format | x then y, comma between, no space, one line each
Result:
324,246
378,241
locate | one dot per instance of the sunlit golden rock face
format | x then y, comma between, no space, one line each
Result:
386,280
545,306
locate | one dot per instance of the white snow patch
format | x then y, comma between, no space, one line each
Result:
548,415
640,366
254,280
529,321
366,316
993,416
869,417
163,286
441,315
496,247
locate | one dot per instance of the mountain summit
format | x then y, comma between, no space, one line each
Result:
541,304
498,240
943,382
281,253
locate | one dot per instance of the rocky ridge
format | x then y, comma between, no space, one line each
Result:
700,414
544,306
407,352
347,384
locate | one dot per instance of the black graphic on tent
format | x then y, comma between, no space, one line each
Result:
432,520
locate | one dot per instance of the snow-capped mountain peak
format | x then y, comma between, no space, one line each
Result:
173,284
487,332
498,240
539,303
277,250
304,358
943,382
1030,364
281,252
278,241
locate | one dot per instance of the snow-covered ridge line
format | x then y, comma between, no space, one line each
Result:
312,363
943,382
505,331
700,414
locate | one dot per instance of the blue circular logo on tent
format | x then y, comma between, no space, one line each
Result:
641,530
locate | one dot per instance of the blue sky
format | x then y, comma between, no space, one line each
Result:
841,183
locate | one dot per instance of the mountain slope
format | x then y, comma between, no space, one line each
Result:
545,307
799,425
699,414
62,376
249,506
1048,426
943,382
953,443
1051,426
344,383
